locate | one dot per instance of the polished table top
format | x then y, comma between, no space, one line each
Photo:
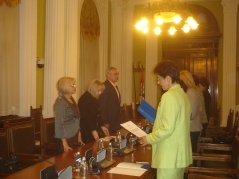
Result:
141,154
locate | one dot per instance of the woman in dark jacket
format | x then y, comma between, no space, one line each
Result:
92,126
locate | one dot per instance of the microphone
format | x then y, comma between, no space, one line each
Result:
48,172
65,173
51,172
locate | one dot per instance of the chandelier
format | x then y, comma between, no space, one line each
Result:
167,14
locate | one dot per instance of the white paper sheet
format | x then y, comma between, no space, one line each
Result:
107,138
127,168
131,127
126,171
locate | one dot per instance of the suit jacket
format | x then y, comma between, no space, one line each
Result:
195,123
67,118
170,137
90,116
110,106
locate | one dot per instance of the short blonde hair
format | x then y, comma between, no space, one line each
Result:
94,86
187,78
64,84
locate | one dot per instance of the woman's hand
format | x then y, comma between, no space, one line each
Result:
65,145
80,139
95,135
143,141
105,130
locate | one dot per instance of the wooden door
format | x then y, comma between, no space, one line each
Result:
200,59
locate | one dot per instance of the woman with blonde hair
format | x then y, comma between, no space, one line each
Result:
67,116
193,94
92,125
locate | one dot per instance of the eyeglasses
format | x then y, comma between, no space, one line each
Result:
159,78
73,85
100,90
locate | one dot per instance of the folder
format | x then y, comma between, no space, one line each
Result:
147,111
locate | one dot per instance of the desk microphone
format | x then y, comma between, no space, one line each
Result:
66,173
48,172
51,172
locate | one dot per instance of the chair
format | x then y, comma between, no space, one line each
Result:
123,113
21,137
211,157
211,173
36,113
129,112
48,136
214,131
202,176
220,143
4,150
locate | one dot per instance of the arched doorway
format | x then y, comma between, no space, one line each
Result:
198,52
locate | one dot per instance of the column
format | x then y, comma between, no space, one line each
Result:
117,42
55,65
127,55
27,55
72,39
229,58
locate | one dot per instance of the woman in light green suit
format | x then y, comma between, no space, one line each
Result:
170,137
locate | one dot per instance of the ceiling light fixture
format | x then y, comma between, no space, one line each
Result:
170,14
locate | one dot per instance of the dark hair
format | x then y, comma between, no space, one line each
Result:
196,80
204,82
167,68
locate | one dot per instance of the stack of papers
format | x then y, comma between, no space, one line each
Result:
127,168
107,138
131,127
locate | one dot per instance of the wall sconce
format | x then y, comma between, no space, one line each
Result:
138,67
40,62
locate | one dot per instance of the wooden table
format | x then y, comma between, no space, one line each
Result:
141,154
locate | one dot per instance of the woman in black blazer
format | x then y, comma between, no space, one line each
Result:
92,125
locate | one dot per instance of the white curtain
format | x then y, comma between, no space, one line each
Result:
9,60
89,62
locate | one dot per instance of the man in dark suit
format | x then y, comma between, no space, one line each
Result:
110,101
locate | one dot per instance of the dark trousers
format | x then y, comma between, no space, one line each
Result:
194,140
203,134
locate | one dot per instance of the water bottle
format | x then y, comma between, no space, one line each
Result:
140,125
84,169
77,162
118,138
77,166
131,142
110,152
101,145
